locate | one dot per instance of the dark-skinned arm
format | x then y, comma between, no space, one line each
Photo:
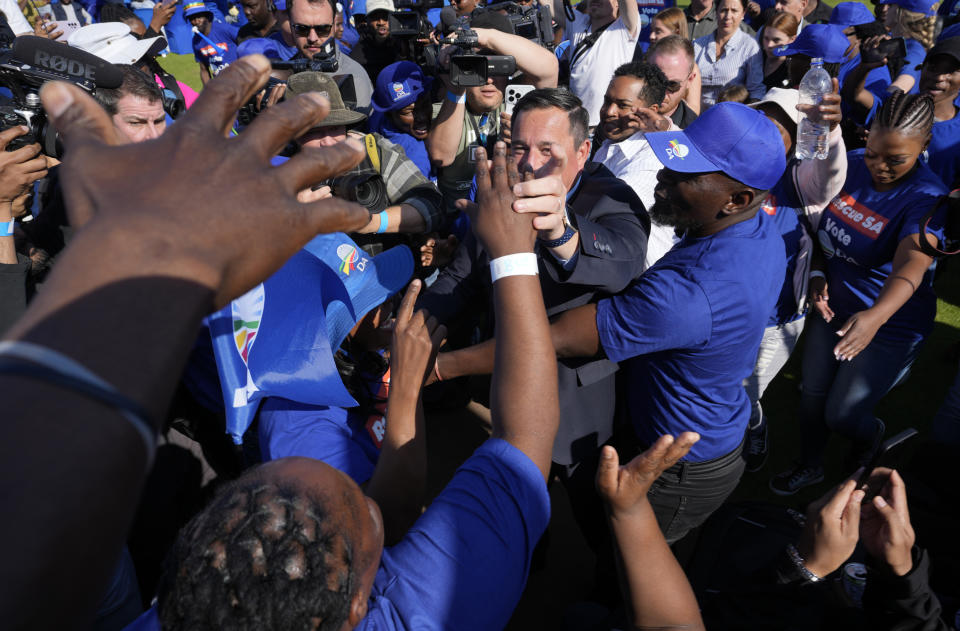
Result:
125,301
909,266
573,334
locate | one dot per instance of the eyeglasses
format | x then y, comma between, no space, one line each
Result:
674,86
303,30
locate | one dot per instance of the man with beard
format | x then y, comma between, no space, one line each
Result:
686,333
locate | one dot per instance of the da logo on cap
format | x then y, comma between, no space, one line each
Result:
246,311
399,91
676,150
350,259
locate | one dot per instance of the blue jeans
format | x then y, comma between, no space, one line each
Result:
840,395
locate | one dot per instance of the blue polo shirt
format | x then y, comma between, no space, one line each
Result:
784,207
463,565
688,330
859,233
217,50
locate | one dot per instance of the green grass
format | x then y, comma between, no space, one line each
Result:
184,67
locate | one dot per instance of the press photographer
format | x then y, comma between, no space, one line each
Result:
388,183
470,117
377,47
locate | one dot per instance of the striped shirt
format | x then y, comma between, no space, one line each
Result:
741,63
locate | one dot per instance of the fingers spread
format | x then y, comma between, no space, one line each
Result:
316,164
271,131
75,114
217,105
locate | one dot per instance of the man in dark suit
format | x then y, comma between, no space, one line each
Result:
594,247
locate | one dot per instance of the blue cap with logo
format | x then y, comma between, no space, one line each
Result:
825,41
399,85
926,7
851,14
729,137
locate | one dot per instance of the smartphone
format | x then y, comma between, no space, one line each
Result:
890,49
513,94
886,455
868,30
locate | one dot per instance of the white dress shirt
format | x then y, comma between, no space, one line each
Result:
633,161
741,63
591,73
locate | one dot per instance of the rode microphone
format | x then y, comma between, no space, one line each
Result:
48,60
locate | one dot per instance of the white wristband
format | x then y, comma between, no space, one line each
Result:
818,274
522,264
6,228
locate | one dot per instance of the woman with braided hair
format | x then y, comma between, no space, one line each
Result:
870,288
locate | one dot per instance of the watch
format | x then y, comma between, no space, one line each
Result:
568,233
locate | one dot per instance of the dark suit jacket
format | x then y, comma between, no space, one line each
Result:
613,228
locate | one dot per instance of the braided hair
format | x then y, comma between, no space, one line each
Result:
909,114
262,555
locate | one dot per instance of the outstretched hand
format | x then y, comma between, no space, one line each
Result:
158,190
499,229
624,488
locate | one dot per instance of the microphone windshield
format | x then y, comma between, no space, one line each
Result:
59,58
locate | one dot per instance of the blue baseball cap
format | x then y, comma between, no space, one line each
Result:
926,7
851,14
729,137
399,85
265,46
365,281
825,41
194,7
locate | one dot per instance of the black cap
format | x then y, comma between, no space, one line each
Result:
949,47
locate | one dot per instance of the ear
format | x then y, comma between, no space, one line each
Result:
583,152
358,608
740,200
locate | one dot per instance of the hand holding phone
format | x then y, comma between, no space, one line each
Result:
885,528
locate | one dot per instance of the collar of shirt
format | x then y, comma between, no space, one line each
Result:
735,41
573,189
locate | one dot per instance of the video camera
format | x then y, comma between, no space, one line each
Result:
410,28
531,22
25,65
469,69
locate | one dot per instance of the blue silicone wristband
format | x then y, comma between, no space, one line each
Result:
454,98
6,228
384,221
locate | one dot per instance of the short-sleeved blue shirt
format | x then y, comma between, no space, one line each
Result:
859,233
221,49
690,328
943,154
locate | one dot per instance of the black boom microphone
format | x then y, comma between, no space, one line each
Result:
52,61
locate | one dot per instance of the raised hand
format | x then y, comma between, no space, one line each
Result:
416,339
828,110
228,241
832,527
624,488
885,527
500,230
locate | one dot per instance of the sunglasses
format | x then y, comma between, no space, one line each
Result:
674,86
303,30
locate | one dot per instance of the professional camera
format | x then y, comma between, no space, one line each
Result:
29,63
410,29
366,187
532,22
468,68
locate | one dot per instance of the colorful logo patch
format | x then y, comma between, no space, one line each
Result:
676,150
399,92
348,256
247,311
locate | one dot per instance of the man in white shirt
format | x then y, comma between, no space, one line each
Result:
15,19
631,107
600,40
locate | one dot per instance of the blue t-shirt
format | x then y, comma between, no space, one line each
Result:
690,327
859,233
217,50
465,562
876,82
415,149
943,154
914,59
784,206
343,439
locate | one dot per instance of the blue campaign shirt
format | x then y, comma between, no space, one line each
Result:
690,327
648,9
415,149
463,565
784,206
876,82
943,153
218,49
859,233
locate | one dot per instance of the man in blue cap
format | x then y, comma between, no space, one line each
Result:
687,331
214,42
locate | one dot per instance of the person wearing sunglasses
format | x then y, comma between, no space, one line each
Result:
674,56
311,22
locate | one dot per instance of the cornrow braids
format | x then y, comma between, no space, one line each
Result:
261,556
909,114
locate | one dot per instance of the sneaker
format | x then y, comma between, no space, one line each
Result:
789,482
756,452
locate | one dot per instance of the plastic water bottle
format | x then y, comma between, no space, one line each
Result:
812,135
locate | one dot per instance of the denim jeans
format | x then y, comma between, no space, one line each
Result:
775,349
840,395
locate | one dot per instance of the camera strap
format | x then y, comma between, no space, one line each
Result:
587,43
370,142
925,246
